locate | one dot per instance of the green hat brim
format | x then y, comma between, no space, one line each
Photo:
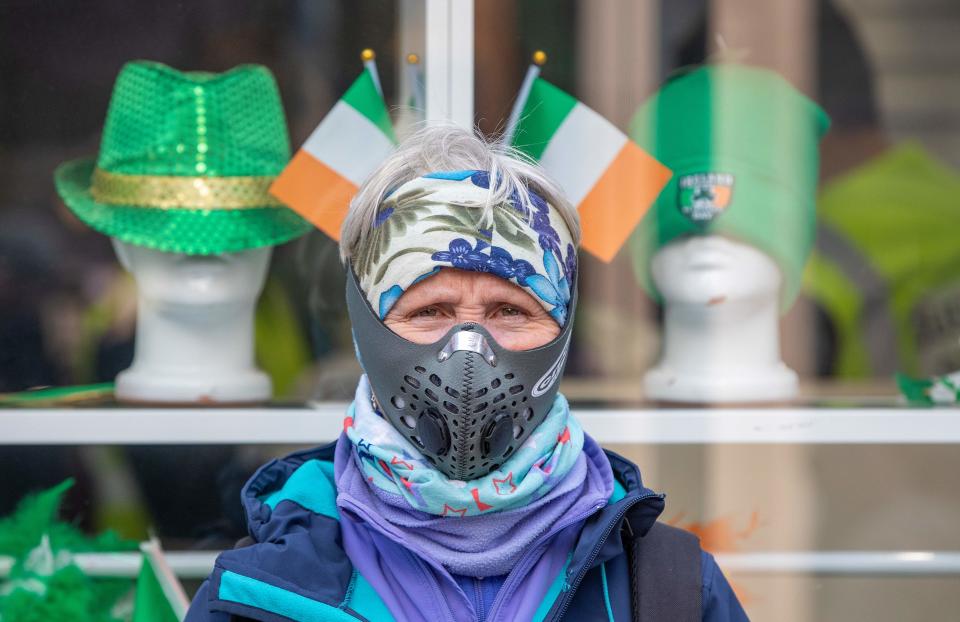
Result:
189,231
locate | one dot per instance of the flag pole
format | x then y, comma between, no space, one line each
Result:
533,72
416,83
369,59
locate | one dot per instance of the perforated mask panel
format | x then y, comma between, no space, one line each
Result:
466,416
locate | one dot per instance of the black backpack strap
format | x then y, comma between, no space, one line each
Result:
665,575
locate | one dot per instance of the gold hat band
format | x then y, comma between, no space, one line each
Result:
176,192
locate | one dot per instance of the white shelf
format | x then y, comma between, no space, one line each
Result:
847,563
198,564
323,422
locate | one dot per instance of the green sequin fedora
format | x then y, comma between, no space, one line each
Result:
186,160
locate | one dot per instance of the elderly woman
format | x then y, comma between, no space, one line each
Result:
462,487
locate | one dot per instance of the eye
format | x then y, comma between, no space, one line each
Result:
427,312
510,311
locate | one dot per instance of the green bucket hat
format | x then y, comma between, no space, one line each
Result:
743,145
185,162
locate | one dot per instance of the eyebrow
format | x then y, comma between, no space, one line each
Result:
518,298
450,296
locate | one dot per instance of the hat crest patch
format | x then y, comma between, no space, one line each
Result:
701,197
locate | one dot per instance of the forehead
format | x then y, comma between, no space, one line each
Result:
450,285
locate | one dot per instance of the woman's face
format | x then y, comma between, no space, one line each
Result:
426,311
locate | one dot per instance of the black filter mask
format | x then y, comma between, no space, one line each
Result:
465,402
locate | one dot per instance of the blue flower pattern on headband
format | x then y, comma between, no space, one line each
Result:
388,298
548,238
503,265
461,255
451,175
382,216
432,221
552,288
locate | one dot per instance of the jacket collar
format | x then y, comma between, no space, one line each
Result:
271,477
637,509
641,516
634,505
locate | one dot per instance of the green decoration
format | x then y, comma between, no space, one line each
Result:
54,396
743,145
930,391
151,604
185,162
44,584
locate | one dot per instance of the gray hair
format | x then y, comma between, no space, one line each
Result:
448,147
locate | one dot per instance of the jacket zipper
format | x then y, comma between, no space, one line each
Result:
478,592
596,551
520,570
417,560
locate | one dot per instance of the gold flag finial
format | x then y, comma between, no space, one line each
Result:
367,55
413,59
539,58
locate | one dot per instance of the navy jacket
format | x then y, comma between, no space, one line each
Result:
296,568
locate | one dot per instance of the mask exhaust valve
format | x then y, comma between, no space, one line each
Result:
433,432
497,436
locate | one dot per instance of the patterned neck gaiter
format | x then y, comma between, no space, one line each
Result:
393,464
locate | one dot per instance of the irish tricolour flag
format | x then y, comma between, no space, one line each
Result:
611,180
351,141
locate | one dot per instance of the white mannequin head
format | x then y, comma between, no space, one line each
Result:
194,326
175,279
721,324
712,271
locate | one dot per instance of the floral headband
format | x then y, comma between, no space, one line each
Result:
437,221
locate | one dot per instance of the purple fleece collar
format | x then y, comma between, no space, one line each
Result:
394,546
